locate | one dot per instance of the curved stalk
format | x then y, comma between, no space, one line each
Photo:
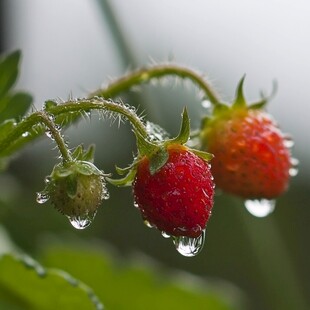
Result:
146,74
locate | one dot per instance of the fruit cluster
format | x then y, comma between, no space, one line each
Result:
241,150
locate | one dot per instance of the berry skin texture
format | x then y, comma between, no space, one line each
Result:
178,198
86,200
250,156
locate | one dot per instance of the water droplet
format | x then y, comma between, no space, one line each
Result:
288,142
135,204
47,180
165,235
148,224
156,133
206,104
25,134
81,221
189,246
42,197
260,207
293,171
49,135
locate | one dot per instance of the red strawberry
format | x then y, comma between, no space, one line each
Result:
178,198
251,159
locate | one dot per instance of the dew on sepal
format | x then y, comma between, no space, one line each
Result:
82,221
42,197
189,247
25,134
260,207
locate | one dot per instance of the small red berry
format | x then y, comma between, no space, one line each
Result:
178,198
251,159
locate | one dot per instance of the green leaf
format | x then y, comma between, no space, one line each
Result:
138,286
184,133
26,285
145,147
15,106
8,71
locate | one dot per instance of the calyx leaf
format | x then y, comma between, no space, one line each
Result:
184,132
158,160
240,99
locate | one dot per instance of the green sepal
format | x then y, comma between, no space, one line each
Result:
122,171
71,185
145,147
158,160
219,109
203,155
240,99
86,168
184,132
8,71
126,181
265,99
84,155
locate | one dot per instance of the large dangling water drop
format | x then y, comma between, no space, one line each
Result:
81,221
189,246
260,207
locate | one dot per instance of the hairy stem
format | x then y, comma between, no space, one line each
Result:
28,124
101,104
146,74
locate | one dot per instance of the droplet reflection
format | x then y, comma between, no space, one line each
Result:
260,207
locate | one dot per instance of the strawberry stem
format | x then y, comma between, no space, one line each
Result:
145,75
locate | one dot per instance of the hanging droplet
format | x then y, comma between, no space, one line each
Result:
135,204
260,207
25,134
42,197
148,224
288,142
81,221
293,171
165,235
189,246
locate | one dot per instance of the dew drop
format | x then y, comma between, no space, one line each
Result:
288,142
165,235
81,221
293,171
49,135
189,246
135,204
206,104
25,134
260,207
148,224
42,197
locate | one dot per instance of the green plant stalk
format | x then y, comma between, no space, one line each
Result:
28,123
101,104
42,117
146,74
281,286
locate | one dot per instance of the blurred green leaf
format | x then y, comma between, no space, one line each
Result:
8,72
24,284
16,106
137,287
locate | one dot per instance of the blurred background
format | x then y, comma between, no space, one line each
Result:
72,47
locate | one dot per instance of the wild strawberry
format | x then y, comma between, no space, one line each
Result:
76,189
251,159
178,198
